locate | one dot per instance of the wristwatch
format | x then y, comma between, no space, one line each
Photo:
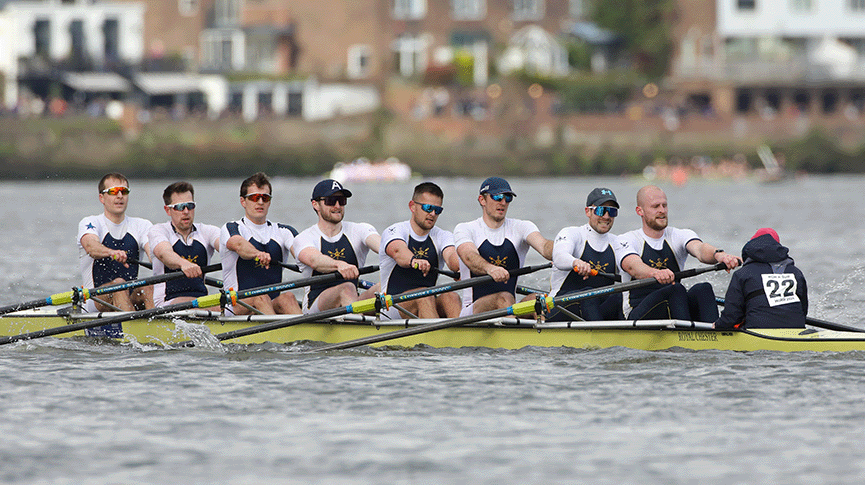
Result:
719,251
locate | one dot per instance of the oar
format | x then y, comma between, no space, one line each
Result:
202,302
369,305
67,297
526,290
521,308
815,322
216,283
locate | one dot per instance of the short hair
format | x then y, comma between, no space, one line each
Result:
112,175
259,179
428,188
177,188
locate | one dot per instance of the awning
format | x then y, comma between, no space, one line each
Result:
592,33
155,84
96,82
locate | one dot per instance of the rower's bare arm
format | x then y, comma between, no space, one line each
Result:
399,251
451,258
468,252
97,250
172,260
316,260
541,244
634,266
246,250
707,254
373,241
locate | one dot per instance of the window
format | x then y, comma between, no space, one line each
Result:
802,5
42,38
111,33
575,7
222,49
79,45
468,9
227,13
409,55
746,4
409,9
528,9
358,61
187,7
857,5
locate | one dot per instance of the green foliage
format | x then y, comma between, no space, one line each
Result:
817,152
465,66
589,93
579,55
645,27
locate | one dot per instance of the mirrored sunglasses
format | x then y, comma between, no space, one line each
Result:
507,197
332,200
258,197
600,210
116,190
428,208
180,206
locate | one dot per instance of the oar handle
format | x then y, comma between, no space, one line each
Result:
290,285
150,280
290,266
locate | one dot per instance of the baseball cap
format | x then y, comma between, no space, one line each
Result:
495,186
769,231
600,195
328,187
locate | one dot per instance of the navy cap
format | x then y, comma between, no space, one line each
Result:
328,187
600,195
495,186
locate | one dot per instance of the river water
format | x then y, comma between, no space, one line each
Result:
78,412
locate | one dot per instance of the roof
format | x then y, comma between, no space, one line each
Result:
159,83
99,82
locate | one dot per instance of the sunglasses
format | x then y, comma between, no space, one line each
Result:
507,197
600,210
332,200
429,208
180,206
258,197
116,190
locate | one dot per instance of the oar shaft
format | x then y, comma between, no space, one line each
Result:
814,322
203,302
150,280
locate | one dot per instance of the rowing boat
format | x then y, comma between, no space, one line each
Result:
504,333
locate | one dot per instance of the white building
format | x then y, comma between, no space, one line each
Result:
36,35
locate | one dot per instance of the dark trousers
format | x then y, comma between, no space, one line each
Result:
675,302
592,309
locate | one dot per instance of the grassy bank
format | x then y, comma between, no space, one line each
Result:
85,148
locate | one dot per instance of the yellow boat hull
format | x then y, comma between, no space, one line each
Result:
660,335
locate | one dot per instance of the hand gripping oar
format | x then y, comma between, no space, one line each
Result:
370,304
214,282
202,302
521,308
815,322
67,297
527,290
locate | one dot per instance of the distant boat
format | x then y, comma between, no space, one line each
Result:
362,170
773,172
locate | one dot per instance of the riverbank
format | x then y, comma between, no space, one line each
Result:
84,147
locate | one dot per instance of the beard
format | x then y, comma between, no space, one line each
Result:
656,224
332,218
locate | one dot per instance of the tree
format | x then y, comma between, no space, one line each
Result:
645,28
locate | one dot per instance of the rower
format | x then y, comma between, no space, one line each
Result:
414,251
254,250
181,245
493,244
658,251
579,250
769,291
334,245
105,243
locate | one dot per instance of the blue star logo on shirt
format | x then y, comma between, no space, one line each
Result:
90,225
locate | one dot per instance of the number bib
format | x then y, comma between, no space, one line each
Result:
780,289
